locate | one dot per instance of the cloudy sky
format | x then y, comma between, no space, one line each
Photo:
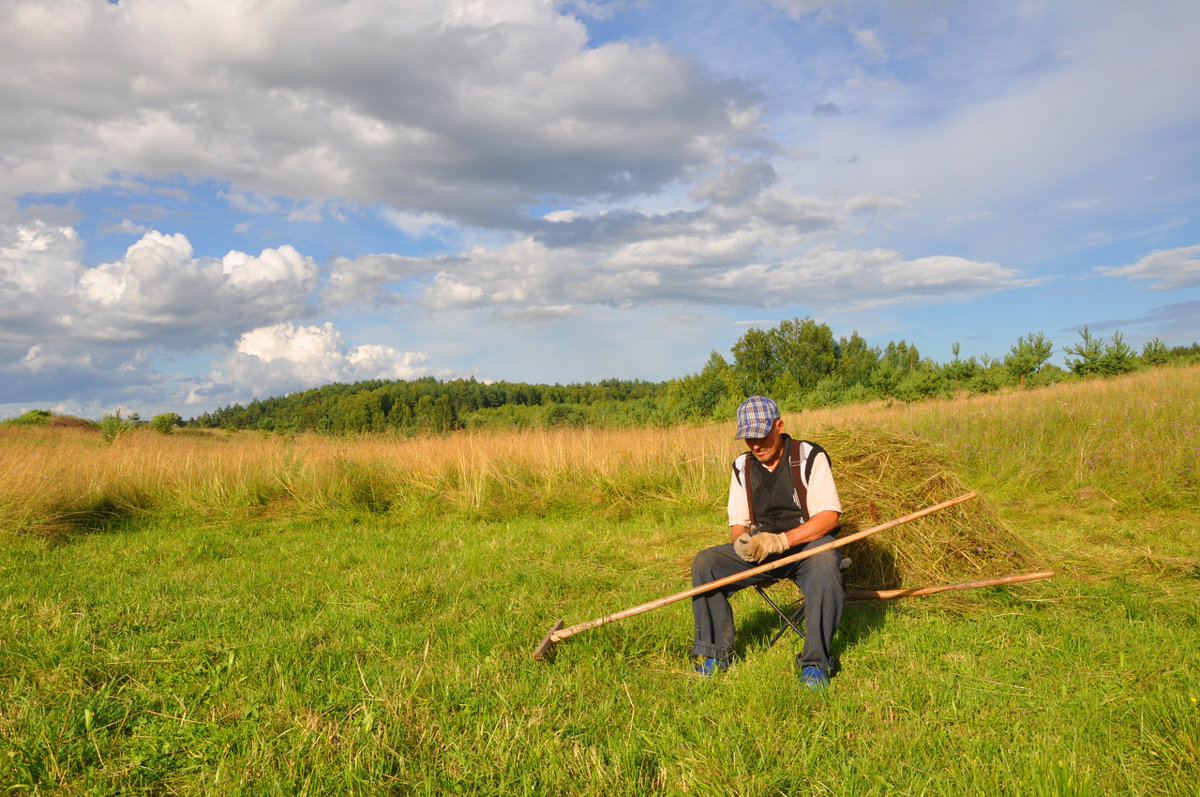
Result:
207,201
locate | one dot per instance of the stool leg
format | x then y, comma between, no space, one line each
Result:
790,621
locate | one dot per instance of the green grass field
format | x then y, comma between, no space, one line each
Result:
254,615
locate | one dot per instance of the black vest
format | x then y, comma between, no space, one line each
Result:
776,502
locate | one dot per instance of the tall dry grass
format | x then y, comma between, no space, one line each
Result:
1134,439
62,479
69,480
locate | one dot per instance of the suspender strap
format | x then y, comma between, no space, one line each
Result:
746,480
795,464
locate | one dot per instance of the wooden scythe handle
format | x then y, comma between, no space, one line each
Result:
563,633
886,594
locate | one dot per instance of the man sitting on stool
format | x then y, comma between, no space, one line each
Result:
768,518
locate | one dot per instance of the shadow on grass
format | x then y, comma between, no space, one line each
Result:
103,515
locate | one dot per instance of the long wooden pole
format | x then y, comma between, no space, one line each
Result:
887,594
558,633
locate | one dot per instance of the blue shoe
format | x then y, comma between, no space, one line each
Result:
815,678
708,667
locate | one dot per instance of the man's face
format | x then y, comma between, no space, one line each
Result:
767,450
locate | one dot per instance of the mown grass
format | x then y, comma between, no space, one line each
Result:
367,626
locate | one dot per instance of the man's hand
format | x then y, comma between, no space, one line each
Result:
741,546
763,545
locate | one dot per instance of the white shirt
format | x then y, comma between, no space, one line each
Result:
822,492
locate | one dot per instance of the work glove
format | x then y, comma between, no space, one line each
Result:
763,545
741,546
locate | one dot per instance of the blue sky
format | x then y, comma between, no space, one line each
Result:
208,201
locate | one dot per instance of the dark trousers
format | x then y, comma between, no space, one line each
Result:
819,579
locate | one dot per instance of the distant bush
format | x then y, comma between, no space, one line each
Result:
855,394
564,415
1186,354
1048,374
166,422
828,392
920,383
33,418
113,426
1155,352
985,380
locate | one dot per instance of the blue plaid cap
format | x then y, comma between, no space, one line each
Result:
755,416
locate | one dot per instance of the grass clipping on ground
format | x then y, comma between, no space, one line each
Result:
882,476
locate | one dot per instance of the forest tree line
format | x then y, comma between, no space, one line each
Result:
799,363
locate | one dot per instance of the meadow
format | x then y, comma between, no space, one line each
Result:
261,613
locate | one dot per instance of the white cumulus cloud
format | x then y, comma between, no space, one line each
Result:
1165,270
62,319
460,109
285,357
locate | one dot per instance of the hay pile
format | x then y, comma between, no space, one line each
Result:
882,476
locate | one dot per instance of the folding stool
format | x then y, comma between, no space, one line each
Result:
790,620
